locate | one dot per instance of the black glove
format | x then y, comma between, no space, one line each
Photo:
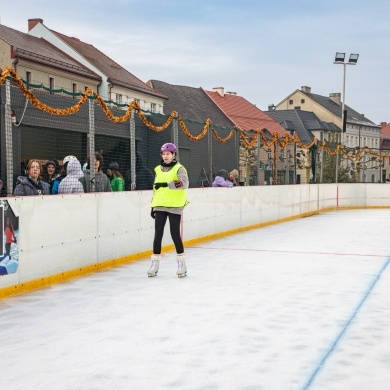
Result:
178,183
159,185
152,213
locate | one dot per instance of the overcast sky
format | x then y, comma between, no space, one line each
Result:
262,50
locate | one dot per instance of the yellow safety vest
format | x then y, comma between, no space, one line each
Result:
164,196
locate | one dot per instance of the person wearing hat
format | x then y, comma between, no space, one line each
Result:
222,179
50,173
62,175
169,198
117,182
71,183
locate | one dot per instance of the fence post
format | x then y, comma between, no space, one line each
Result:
175,135
210,147
258,159
133,156
8,139
91,141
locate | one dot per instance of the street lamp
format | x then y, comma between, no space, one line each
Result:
340,60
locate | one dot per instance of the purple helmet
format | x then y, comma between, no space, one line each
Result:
168,147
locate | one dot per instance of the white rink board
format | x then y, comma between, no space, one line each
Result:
63,233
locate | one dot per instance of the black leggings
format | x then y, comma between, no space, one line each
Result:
174,224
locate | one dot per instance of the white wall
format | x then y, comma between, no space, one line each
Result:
63,233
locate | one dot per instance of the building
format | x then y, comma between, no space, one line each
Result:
360,131
40,63
307,126
117,83
248,118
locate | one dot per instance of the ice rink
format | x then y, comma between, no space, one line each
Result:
298,305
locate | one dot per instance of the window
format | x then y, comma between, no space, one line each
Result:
153,107
137,101
28,79
118,98
74,90
51,84
302,101
291,101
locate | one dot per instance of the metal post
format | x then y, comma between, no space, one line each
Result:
258,159
91,141
295,161
322,165
8,140
364,165
175,135
342,108
133,153
287,167
210,147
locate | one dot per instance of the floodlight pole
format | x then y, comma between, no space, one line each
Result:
339,60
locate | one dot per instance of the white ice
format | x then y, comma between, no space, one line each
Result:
298,305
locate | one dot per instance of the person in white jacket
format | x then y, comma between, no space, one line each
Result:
71,183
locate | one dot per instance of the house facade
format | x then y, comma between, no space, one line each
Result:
38,62
307,125
256,166
385,149
117,84
360,131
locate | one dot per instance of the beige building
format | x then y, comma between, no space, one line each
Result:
40,63
360,131
117,83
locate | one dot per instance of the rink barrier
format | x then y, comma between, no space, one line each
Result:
67,236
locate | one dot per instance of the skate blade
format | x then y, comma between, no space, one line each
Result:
182,275
152,275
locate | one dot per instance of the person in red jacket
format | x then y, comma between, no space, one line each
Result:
9,236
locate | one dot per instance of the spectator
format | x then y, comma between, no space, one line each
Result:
221,180
100,180
233,175
144,177
50,173
62,174
117,182
71,183
30,184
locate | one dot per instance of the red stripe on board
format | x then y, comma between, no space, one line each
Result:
297,252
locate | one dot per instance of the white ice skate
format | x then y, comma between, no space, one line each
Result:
153,270
181,266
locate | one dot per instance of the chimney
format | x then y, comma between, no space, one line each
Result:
271,107
220,90
306,89
336,97
33,22
383,124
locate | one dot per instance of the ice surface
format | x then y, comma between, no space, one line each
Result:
299,305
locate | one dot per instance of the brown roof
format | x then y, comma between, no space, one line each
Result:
115,73
244,114
40,51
